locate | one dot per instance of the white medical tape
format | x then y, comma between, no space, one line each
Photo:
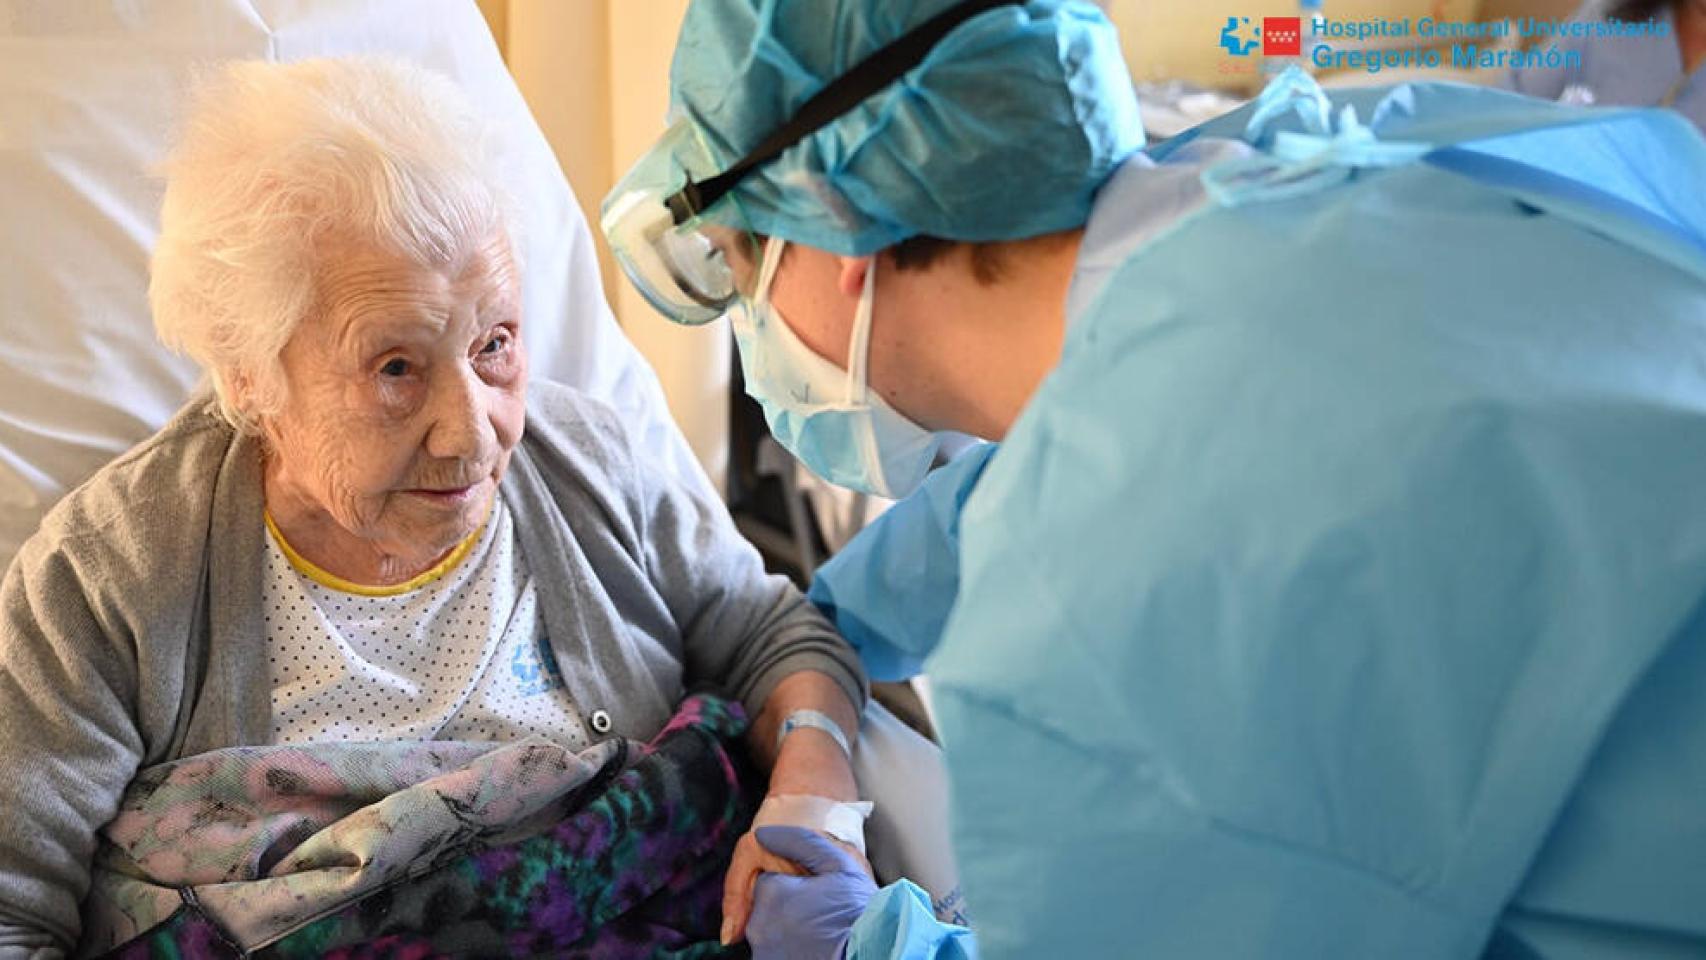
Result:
841,820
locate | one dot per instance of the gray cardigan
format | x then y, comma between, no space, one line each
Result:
131,631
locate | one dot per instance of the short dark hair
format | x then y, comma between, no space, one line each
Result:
988,260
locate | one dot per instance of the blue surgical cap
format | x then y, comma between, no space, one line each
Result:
1005,130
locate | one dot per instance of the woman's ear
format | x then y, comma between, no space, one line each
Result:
852,281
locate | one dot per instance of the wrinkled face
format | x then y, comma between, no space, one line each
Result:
405,398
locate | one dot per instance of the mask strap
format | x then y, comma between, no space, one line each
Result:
767,271
859,349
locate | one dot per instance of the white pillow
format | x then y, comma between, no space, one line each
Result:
89,98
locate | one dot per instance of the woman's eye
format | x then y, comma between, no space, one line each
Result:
395,367
495,345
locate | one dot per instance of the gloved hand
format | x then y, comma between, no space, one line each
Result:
811,917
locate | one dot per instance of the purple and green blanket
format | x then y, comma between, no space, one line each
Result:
416,850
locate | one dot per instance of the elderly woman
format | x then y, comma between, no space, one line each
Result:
375,528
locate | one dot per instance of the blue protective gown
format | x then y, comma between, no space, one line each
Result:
1339,594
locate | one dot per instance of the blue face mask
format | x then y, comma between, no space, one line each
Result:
830,419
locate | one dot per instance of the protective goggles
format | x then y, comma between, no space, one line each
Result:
672,222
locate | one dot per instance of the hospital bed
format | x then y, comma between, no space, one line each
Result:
89,94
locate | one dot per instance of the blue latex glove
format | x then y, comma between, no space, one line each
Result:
806,918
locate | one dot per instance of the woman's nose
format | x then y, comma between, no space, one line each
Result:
460,429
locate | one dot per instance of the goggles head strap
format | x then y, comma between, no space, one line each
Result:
843,94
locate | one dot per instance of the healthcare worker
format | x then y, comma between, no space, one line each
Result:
1338,588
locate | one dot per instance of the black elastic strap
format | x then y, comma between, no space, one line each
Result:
843,94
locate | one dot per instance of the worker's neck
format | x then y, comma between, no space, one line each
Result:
991,345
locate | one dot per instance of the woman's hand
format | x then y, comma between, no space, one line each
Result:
750,860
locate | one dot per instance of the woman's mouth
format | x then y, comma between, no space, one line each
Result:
445,496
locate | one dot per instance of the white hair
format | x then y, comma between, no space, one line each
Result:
275,160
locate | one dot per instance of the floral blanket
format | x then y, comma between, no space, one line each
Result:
413,849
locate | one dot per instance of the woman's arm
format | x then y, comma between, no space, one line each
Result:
759,638
756,636
68,744
743,631
809,763
809,760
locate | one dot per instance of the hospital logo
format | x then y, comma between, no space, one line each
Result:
1282,36
1237,36
1278,36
